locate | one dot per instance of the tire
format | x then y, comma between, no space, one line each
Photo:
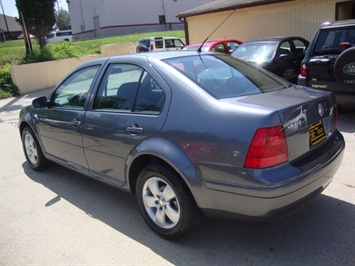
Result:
32,150
344,68
166,203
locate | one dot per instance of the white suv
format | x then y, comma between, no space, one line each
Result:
57,36
153,44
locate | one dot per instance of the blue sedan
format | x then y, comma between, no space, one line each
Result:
190,135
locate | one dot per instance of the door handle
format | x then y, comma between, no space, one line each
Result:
76,123
134,129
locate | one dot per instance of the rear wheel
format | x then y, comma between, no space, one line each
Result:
32,150
165,202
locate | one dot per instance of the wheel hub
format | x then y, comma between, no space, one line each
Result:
161,202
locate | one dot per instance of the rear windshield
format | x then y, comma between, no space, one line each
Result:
329,40
224,76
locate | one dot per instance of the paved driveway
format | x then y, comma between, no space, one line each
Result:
60,217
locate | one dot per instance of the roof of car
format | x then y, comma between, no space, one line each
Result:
159,38
274,39
214,41
157,55
338,23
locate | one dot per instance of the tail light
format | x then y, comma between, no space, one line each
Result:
267,148
151,47
304,69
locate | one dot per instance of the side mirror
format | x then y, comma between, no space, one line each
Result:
40,102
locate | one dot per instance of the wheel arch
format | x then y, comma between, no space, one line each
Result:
165,154
23,125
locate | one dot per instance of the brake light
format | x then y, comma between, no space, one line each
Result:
267,148
151,47
304,69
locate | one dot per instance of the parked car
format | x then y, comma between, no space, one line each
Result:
188,134
30,35
61,35
226,46
280,55
324,65
156,44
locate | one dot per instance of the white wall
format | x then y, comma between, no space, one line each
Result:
118,17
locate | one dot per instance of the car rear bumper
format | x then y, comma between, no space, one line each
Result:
274,202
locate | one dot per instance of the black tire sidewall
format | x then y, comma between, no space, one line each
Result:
344,61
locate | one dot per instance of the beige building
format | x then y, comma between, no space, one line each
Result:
252,19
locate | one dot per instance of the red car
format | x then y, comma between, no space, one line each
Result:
226,46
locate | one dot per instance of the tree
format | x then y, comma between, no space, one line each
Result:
63,20
38,16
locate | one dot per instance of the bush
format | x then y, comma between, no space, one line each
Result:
36,56
61,50
7,88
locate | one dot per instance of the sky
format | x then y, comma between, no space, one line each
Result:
11,10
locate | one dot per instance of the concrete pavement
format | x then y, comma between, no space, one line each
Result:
58,217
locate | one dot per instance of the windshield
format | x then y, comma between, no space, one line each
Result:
225,77
256,52
329,40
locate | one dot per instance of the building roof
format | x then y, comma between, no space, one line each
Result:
223,5
11,23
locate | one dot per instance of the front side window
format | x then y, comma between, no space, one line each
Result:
219,48
284,51
72,93
225,77
300,46
129,88
232,46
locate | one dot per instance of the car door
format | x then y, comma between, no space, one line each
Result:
60,125
283,63
127,109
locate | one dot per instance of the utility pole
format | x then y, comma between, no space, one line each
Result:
7,27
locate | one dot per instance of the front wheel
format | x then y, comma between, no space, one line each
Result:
166,203
32,150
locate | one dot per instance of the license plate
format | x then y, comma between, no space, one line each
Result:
316,133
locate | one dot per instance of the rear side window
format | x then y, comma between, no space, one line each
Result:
129,88
224,77
329,40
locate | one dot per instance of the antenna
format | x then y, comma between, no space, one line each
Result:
199,49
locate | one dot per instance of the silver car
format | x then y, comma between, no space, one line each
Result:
190,134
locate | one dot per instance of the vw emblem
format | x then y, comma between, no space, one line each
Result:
320,109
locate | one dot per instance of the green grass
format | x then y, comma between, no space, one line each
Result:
14,51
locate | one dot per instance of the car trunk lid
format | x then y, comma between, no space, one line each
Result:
308,116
